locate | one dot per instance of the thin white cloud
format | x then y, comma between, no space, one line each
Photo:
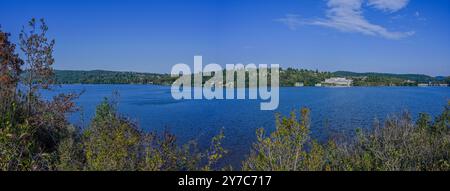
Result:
388,5
291,21
347,16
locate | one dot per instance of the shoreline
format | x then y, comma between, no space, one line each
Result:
163,85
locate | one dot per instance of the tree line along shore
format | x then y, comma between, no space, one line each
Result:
289,77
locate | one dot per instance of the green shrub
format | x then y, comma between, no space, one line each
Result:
113,142
286,147
397,145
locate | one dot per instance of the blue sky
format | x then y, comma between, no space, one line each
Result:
396,36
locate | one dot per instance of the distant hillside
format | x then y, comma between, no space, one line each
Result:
291,76
376,79
413,77
110,77
288,77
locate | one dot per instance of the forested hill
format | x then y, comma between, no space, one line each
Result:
110,77
413,77
288,77
371,78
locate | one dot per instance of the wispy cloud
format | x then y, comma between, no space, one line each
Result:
388,5
347,16
291,21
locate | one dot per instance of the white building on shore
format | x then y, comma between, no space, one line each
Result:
338,82
299,84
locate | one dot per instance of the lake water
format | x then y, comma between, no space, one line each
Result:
334,111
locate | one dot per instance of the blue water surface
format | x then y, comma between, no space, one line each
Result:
334,111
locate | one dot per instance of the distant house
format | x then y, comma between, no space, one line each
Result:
299,84
338,82
409,81
431,84
318,85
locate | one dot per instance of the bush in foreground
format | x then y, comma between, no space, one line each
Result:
113,142
397,145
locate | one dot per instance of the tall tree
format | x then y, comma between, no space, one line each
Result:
38,50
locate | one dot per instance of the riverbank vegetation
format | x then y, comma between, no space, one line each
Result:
398,144
110,77
288,77
35,134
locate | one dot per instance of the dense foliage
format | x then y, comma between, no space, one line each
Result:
113,142
110,77
291,76
30,128
397,145
288,77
